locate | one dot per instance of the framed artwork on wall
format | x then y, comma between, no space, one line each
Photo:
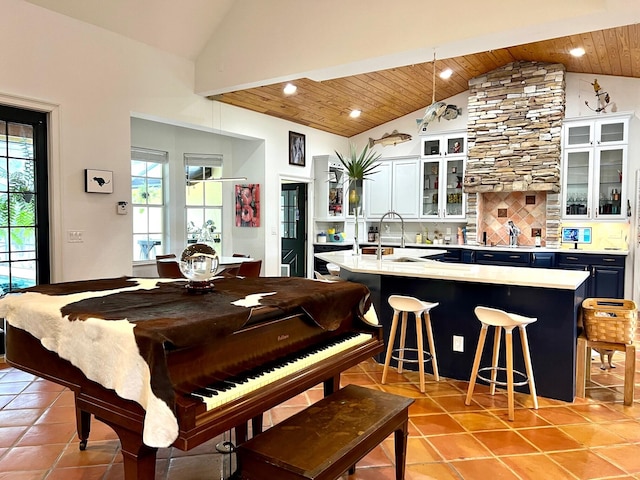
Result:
296,149
248,205
98,181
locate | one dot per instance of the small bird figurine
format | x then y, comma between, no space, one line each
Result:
596,85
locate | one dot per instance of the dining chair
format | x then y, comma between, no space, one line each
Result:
250,268
168,267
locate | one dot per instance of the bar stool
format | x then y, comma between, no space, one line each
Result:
420,309
491,317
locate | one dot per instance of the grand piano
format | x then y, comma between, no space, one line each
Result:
163,366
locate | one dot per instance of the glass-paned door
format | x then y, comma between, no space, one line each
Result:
610,181
454,187
354,200
430,186
577,175
293,233
24,227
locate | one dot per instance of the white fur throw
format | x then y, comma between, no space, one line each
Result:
105,351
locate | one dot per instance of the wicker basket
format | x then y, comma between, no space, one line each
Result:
610,320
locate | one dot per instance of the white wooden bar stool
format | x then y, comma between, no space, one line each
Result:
404,305
491,317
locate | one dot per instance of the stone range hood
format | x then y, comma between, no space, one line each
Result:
514,131
514,128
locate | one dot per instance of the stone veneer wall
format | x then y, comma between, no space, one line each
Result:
514,130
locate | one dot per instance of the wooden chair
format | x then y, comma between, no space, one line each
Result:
168,267
250,268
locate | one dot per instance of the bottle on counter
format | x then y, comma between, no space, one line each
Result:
371,236
376,235
418,237
538,239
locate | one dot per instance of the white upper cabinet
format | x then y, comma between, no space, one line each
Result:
596,132
443,145
595,168
395,186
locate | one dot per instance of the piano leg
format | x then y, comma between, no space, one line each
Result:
139,459
331,385
83,425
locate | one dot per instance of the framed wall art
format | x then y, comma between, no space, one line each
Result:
296,149
248,205
98,181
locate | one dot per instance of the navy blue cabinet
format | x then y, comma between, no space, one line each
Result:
505,258
606,279
320,266
543,259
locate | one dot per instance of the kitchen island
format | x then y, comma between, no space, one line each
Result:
553,296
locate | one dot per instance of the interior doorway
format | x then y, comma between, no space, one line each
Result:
293,229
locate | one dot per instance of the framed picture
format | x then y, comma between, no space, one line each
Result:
248,205
98,181
296,149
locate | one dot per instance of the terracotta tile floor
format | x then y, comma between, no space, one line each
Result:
593,438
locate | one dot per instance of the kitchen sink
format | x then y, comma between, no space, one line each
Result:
406,259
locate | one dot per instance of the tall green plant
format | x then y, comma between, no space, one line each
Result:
358,167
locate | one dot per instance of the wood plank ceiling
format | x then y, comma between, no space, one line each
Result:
388,94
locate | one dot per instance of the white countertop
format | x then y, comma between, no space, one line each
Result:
425,268
519,248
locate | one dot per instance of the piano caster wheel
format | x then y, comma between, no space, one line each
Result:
83,445
225,447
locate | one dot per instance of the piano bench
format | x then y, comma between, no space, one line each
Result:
329,437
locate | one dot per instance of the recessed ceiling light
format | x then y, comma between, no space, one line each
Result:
446,73
289,89
355,113
577,52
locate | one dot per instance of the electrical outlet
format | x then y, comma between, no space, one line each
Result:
458,343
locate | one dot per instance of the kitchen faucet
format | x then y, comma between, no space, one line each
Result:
513,233
390,212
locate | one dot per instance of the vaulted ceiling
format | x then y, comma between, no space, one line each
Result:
388,94
371,55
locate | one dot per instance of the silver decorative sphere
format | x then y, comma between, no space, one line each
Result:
199,263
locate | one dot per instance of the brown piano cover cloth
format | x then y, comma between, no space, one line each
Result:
167,315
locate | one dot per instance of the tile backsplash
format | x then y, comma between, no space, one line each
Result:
526,209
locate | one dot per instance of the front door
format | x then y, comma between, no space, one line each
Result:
293,232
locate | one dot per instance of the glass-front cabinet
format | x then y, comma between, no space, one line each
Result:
595,168
329,188
453,143
443,163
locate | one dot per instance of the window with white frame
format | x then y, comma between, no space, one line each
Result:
203,197
147,198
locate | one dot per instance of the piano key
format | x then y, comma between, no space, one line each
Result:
272,372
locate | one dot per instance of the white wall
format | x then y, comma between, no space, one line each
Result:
92,81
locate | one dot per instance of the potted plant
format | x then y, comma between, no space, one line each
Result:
358,167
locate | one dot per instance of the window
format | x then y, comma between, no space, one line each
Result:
147,198
203,197
24,227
